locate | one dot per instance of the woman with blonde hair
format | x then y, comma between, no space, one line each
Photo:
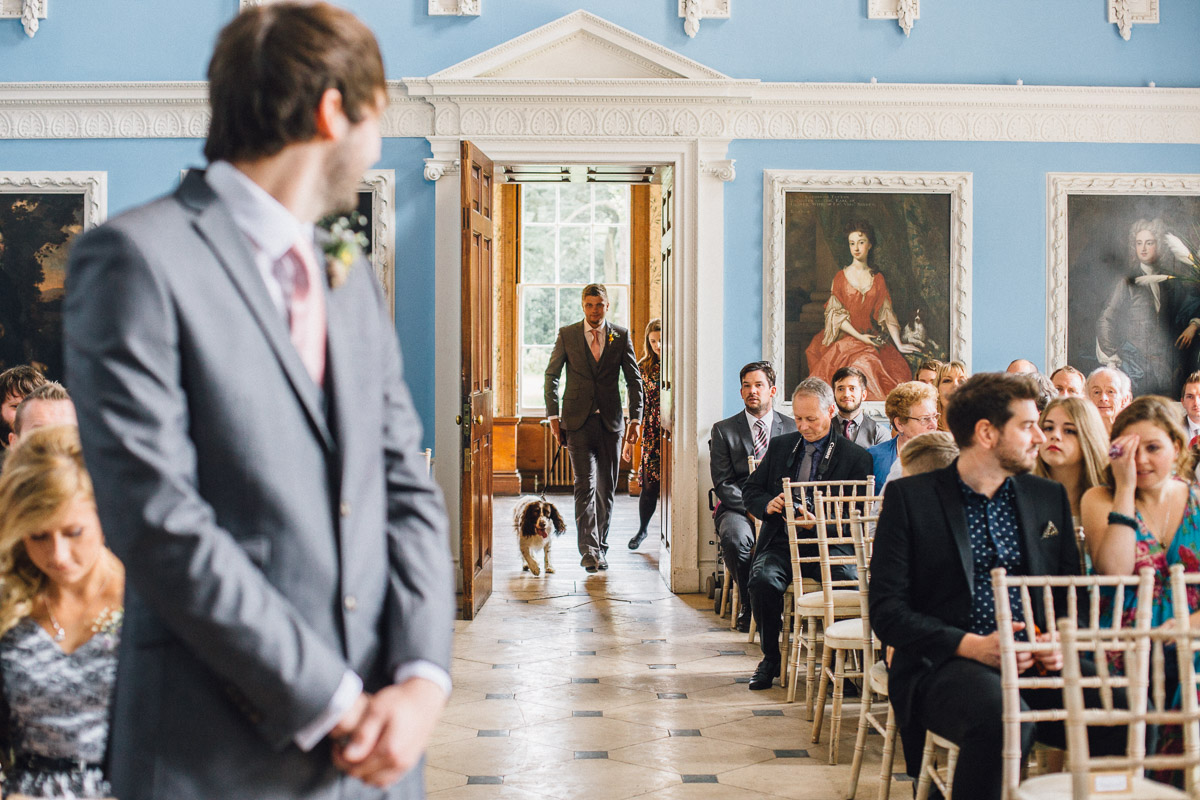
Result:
648,471
60,620
950,376
1075,452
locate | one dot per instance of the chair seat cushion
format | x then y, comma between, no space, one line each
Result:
845,634
845,604
879,678
1058,787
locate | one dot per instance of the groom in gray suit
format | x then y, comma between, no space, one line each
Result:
596,353
254,449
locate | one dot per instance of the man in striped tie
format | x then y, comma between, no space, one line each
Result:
734,439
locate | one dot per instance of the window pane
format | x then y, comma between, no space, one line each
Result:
537,254
612,202
538,203
570,305
575,203
533,373
574,257
537,315
618,310
611,253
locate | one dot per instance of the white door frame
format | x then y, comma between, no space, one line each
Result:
701,170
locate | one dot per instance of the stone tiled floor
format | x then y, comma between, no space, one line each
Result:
608,687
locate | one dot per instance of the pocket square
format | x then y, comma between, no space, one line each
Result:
1050,531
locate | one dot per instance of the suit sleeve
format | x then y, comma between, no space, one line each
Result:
892,614
633,379
420,602
724,478
558,357
123,363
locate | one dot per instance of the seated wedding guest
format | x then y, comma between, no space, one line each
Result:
60,619
927,452
49,404
733,441
1068,381
1021,366
15,383
1075,452
1046,390
849,391
1191,406
912,409
950,377
1110,391
938,538
928,371
816,452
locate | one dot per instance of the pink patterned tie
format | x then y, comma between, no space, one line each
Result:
305,307
760,439
597,347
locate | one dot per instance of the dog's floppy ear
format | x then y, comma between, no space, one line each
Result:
560,527
529,520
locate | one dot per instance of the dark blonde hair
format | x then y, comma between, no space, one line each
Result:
927,452
1093,439
648,354
42,473
943,370
1167,416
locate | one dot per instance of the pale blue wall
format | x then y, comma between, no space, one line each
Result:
967,41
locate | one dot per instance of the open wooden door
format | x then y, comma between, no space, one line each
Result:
666,178
476,418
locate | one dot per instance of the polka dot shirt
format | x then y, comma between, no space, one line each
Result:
995,542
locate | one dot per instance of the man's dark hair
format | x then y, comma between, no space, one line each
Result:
988,395
20,381
595,290
846,372
758,366
270,67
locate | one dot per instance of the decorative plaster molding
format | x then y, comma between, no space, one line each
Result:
92,185
722,169
1059,186
692,11
244,4
438,168
604,109
776,183
456,8
28,11
381,183
1125,13
905,12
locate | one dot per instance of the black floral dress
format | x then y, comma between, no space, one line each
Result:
651,423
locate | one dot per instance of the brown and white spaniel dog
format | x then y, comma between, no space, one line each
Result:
536,521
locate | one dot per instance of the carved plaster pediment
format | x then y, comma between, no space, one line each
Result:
579,46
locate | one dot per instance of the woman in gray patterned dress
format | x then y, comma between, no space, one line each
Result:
60,620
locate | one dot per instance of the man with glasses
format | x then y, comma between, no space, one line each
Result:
912,409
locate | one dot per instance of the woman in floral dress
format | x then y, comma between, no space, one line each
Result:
1148,513
648,473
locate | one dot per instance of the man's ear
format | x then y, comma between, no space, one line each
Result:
985,433
12,439
330,116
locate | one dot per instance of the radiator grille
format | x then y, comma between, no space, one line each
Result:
561,476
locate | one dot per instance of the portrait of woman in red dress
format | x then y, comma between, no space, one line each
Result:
861,328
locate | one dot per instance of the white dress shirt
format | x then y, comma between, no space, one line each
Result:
272,230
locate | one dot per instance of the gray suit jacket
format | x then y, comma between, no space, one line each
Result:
270,544
869,433
591,385
729,448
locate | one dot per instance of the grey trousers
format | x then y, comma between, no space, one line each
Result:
595,457
736,534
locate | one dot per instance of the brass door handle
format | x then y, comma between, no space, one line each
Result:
479,420
458,420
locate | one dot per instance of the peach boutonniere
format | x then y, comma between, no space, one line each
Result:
344,247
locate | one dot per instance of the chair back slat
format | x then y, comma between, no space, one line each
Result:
1056,593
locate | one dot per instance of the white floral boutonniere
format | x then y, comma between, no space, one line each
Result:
344,246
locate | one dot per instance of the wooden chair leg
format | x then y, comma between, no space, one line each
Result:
787,637
753,630
889,756
810,681
925,782
801,641
951,764
729,599
822,694
860,740
835,720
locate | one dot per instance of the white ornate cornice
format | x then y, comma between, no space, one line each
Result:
905,12
438,168
457,8
721,169
692,11
641,108
1125,13
28,11
92,185
1059,187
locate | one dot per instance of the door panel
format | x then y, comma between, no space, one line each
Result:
476,420
666,176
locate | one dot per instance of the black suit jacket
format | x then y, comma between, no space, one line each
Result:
843,460
729,449
592,385
922,569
